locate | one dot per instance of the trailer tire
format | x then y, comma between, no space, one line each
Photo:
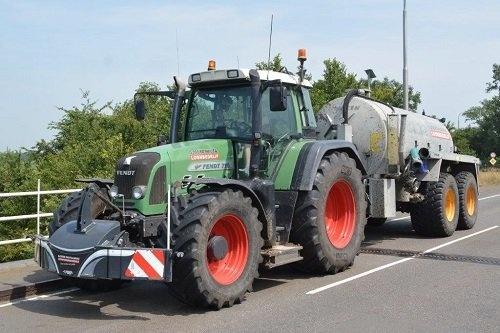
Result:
330,219
208,222
468,200
437,214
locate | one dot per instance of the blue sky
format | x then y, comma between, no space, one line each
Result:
50,50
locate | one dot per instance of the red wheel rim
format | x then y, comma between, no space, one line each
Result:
228,269
340,214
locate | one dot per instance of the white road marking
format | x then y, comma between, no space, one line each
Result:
371,271
38,297
491,196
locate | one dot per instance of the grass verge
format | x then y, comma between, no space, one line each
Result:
489,177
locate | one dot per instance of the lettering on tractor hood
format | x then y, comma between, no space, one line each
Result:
204,154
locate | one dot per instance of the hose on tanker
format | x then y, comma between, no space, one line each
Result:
417,159
356,93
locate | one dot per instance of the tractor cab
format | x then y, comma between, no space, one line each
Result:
269,112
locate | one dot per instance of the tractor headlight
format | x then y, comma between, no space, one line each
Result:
138,192
113,191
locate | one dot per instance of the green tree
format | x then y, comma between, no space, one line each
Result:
336,80
462,139
486,136
276,64
89,139
392,93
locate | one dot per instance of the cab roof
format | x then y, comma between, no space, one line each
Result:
242,74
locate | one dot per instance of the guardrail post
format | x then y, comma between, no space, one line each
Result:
38,208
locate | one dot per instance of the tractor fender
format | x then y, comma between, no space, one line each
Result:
255,189
310,157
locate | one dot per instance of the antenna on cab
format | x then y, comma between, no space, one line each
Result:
269,50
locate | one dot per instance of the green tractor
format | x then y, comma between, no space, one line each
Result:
246,185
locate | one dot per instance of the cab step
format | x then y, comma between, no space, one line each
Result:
281,255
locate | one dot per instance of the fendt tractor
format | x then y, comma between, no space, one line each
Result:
254,180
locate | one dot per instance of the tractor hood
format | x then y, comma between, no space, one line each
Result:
156,167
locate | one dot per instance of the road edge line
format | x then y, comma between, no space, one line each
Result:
38,297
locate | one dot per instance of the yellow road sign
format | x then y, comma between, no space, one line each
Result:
493,161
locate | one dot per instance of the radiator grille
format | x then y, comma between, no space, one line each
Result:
134,170
158,188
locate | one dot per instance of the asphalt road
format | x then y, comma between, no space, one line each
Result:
456,290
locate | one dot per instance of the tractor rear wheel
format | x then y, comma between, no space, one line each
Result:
468,201
218,234
437,214
330,219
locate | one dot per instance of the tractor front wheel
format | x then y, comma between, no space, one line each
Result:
218,234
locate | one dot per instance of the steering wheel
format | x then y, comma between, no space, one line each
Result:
243,128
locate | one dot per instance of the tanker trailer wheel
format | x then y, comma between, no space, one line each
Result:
437,214
68,211
468,201
219,236
330,219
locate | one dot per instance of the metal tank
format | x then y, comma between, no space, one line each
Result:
385,136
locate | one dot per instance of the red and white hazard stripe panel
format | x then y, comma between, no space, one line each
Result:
148,264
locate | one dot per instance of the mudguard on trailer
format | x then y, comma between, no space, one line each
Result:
94,254
310,156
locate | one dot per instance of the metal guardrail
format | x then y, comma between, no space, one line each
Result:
38,214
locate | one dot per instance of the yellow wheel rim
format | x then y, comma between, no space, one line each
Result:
470,200
450,204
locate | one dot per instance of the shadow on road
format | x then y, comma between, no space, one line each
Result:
388,231
139,300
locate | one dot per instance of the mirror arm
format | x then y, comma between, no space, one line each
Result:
176,109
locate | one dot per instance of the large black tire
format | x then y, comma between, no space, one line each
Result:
313,211
68,211
193,282
437,214
468,200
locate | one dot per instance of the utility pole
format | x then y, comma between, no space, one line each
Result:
405,66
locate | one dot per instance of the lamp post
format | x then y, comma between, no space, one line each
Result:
371,75
458,119
405,66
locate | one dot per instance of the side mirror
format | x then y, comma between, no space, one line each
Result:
140,109
278,97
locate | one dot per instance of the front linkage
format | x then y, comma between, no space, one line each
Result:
90,248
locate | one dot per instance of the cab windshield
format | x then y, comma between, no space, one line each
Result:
226,112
